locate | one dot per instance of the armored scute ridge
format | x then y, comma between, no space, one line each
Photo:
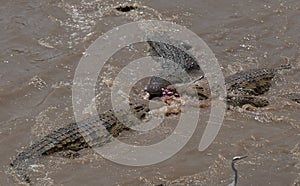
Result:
92,132
175,60
252,82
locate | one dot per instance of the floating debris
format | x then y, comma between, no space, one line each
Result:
37,82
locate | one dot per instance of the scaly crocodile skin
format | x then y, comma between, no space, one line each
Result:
175,61
76,136
242,88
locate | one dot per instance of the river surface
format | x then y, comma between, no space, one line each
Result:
42,42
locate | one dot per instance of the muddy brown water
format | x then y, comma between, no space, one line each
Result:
43,41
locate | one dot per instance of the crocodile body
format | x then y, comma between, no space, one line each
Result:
253,82
175,60
242,88
92,132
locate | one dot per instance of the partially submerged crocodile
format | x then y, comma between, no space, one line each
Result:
92,132
242,88
175,60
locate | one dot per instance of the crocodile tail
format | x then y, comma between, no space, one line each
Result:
20,167
284,66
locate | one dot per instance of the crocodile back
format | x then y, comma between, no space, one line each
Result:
252,82
91,132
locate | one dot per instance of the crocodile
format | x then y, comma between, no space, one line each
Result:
92,132
242,88
175,60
